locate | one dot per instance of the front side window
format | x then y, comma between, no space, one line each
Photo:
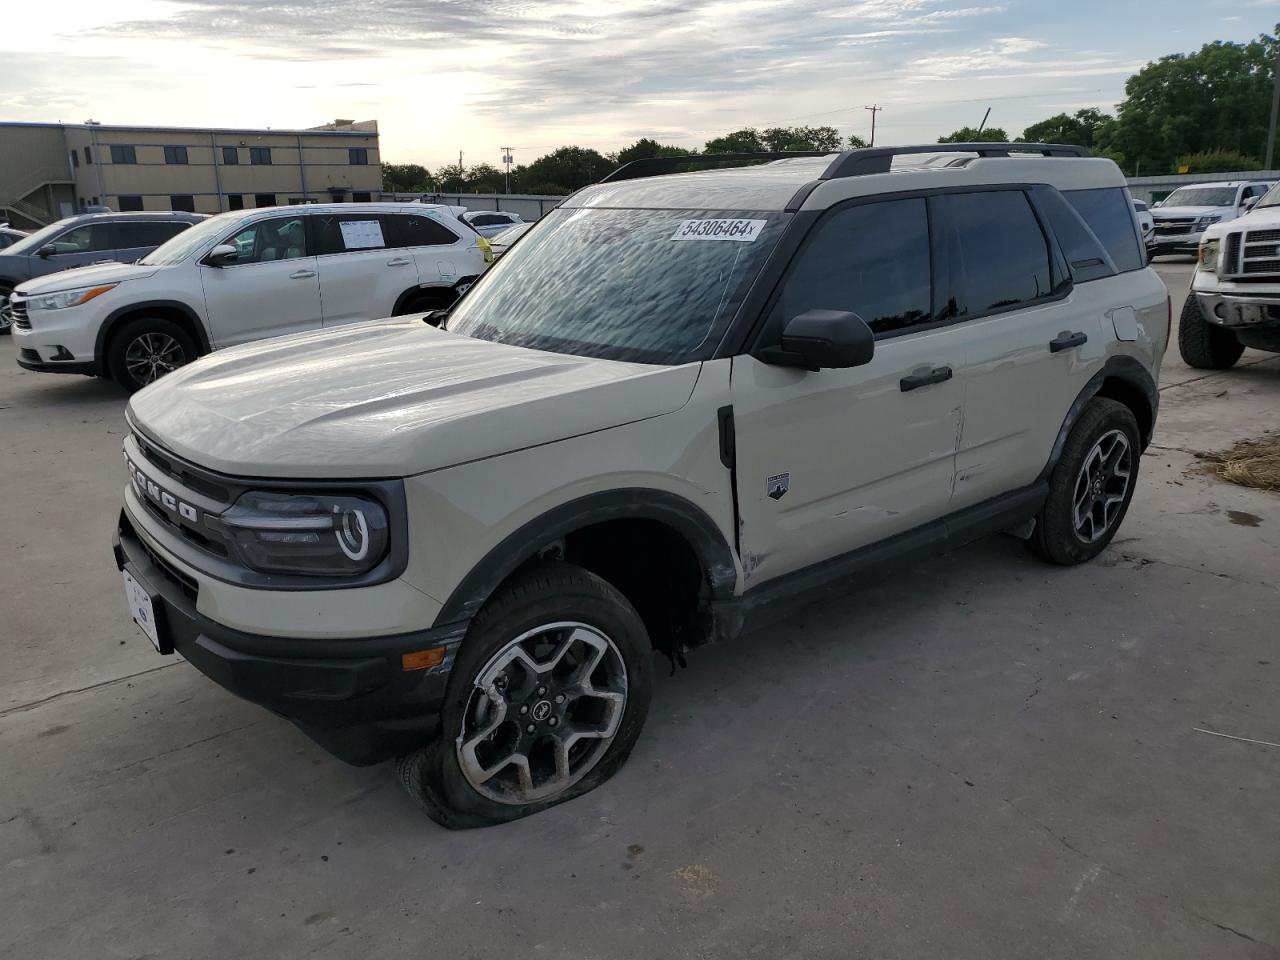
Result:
998,257
280,238
1271,198
89,238
872,259
146,233
652,286
349,233
123,154
1107,213
260,156
175,155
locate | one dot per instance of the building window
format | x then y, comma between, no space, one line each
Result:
123,154
260,156
230,157
130,202
175,155
264,199
358,156
75,159
88,157
183,201
361,197
235,201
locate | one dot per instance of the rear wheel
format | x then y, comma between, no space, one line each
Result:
548,696
1091,486
1205,345
147,348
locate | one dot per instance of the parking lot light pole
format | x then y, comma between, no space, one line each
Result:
1275,105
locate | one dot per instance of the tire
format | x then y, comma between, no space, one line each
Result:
1204,345
425,302
6,321
1061,535
471,775
154,337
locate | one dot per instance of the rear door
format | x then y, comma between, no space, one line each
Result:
362,274
443,257
832,460
272,289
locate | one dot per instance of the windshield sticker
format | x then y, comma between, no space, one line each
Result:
361,234
741,230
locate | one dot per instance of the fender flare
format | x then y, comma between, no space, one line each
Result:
709,545
117,316
1116,368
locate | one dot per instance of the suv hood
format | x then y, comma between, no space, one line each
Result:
1162,213
1253,220
85,277
390,399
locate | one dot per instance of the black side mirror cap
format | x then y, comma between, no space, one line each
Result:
823,339
47,251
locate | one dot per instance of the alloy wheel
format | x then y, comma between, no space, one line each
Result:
151,355
542,713
1102,486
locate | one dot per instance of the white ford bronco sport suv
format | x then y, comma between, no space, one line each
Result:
244,276
1235,292
679,402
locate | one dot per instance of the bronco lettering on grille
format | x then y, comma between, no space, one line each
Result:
144,486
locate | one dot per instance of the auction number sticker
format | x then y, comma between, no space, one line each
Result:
741,230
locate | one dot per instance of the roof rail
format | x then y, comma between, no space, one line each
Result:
856,163
653,166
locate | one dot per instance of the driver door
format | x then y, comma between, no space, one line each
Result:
829,461
272,289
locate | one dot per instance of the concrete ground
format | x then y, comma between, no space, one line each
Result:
981,757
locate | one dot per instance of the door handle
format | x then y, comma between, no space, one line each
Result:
917,380
1065,341
398,262
301,274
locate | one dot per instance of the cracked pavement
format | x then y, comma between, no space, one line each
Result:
979,756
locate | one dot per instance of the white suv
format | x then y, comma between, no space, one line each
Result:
1182,217
677,405
244,276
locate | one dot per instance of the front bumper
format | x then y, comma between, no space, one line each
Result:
1176,243
352,696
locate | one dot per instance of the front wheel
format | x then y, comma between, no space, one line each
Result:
144,350
1205,345
1091,485
6,317
547,697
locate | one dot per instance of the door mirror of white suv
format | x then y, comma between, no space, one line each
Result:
823,339
1248,203
222,255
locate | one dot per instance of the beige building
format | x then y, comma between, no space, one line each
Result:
51,170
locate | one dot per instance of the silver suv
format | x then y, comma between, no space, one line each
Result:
679,405
85,239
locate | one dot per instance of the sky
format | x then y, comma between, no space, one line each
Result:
476,75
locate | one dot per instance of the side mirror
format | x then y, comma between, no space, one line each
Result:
222,255
1249,204
47,251
823,339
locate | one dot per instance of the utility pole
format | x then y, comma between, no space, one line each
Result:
1275,106
874,110
983,125
506,160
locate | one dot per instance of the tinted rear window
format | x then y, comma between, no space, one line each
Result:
998,255
1087,258
1110,217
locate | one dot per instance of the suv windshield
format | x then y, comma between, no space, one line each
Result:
652,286
31,244
187,242
1201,197
1270,199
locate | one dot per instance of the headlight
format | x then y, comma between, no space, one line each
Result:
1208,254
1206,221
68,298
308,534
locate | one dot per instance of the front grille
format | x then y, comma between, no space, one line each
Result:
1174,227
1264,236
180,473
1231,260
1253,256
18,310
184,582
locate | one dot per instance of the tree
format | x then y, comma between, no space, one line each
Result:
972,135
568,169
406,178
856,142
645,149
452,178
484,178
801,138
1216,161
1080,129
746,140
1218,98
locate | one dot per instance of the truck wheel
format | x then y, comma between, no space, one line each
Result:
1091,486
547,697
1204,345
144,350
